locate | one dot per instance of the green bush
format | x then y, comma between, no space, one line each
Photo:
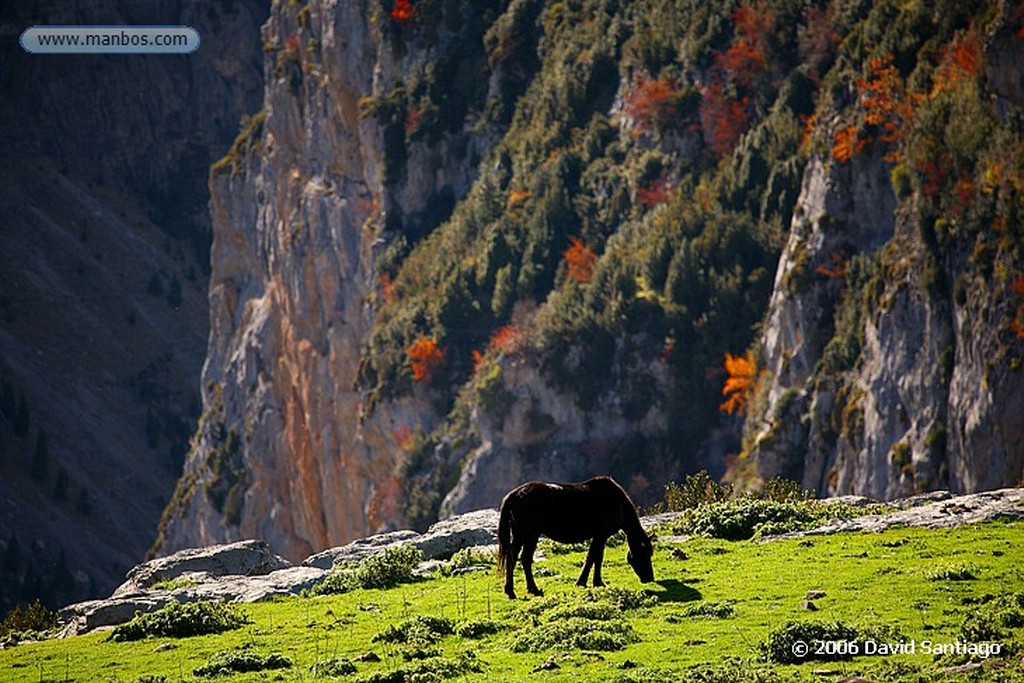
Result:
478,628
782,644
422,630
332,668
577,634
743,519
240,661
34,618
709,609
959,572
388,569
696,490
181,620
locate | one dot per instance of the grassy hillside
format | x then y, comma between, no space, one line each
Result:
719,611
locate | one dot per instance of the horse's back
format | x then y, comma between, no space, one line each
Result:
567,513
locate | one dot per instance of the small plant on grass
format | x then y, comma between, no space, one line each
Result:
240,661
332,668
696,490
470,557
388,569
181,620
478,628
960,572
709,609
418,630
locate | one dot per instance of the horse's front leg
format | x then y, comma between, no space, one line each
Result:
529,546
594,556
598,549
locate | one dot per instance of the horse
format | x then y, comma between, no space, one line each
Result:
569,513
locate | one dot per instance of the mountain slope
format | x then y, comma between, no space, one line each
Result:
103,314
466,245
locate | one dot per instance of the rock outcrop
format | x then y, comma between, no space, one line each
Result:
891,365
248,571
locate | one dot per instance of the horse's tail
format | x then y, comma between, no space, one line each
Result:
505,559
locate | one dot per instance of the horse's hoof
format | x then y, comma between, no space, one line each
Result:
599,584
536,591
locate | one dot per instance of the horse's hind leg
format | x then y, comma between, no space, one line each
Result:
529,546
510,567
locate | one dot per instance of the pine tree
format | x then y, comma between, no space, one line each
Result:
40,468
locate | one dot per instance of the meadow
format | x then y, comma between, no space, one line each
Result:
909,604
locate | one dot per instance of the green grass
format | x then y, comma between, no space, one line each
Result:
710,615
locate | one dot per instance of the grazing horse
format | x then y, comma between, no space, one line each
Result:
569,513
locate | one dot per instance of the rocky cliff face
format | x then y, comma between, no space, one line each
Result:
103,162
467,244
286,450
899,374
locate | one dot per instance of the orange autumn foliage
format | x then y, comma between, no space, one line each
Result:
403,437
960,61
425,359
517,197
1017,326
580,261
508,339
746,58
722,118
652,103
847,143
387,287
656,193
402,11
740,383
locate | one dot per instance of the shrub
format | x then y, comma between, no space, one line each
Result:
240,661
181,620
696,490
32,618
388,569
709,609
478,628
333,668
577,634
742,519
960,572
781,642
422,630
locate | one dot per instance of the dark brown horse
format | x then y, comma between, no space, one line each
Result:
569,513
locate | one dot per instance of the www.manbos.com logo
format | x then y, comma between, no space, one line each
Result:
110,40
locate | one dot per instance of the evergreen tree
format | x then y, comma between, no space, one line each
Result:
61,486
21,421
40,468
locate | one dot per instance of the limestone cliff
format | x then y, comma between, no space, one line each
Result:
285,450
901,373
466,244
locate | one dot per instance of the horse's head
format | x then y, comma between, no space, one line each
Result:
639,558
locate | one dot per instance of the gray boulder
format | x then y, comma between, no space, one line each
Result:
449,536
244,558
359,549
